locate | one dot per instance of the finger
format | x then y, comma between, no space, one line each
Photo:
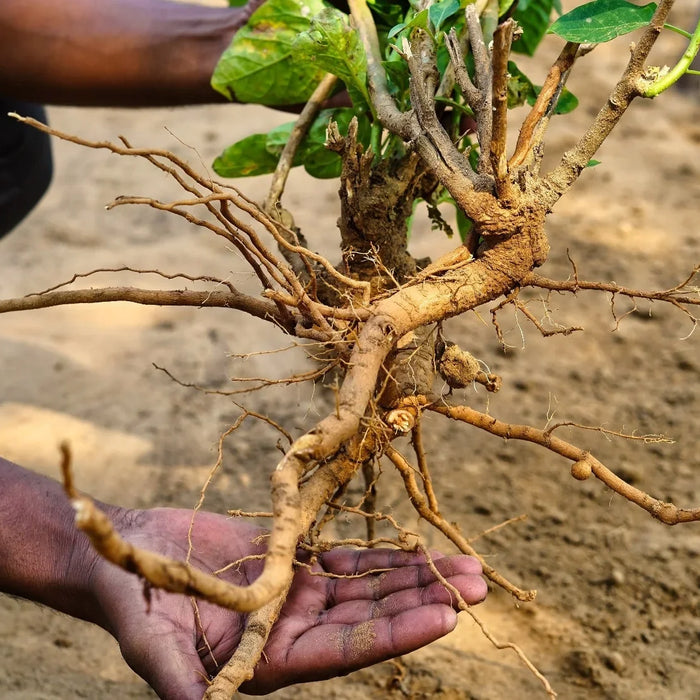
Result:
347,648
376,586
359,561
473,590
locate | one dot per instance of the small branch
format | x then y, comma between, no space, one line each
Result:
150,297
502,40
327,545
448,529
423,85
382,101
470,91
138,271
663,82
241,666
545,332
535,124
484,81
584,463
176,576
256,255
272,206
419,449
262,382
376,516
299,131
126,150
630,85
647,439
368,503
66,470
679,296
480,96
495,528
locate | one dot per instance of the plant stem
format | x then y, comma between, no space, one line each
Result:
678,30
376,140
680,69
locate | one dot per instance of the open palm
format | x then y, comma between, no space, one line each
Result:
328,626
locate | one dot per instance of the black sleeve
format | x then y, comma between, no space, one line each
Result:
25,163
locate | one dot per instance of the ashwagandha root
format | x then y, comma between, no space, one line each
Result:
452,533
180,577
665,512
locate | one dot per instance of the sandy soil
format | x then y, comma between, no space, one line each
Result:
618,610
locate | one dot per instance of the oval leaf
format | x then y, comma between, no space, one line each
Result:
247,157
441,11
533,18
259,66
334,46
602,20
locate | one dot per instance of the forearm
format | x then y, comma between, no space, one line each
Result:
43,557
113,52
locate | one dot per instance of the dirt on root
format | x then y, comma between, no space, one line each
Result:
618,608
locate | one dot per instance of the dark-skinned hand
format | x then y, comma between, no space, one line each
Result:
328,626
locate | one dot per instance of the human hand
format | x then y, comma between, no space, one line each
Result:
328,626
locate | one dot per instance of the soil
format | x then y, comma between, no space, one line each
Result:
618,608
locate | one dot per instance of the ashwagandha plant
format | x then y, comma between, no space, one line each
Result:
429,86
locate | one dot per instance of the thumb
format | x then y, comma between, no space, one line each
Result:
168,661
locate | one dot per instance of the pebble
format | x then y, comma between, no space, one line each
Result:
617,577
615,661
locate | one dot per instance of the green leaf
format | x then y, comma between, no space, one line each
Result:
464,224
534,18
258,154
592,163
396,29
504,6
317,159
420,20
276,139
566,103
246,158
237,3
398,77
259,65
333,45
388,13
602,20
441,11
520,87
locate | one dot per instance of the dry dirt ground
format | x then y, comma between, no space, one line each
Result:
618,609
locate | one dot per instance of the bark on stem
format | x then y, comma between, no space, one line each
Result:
532,129
502,40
